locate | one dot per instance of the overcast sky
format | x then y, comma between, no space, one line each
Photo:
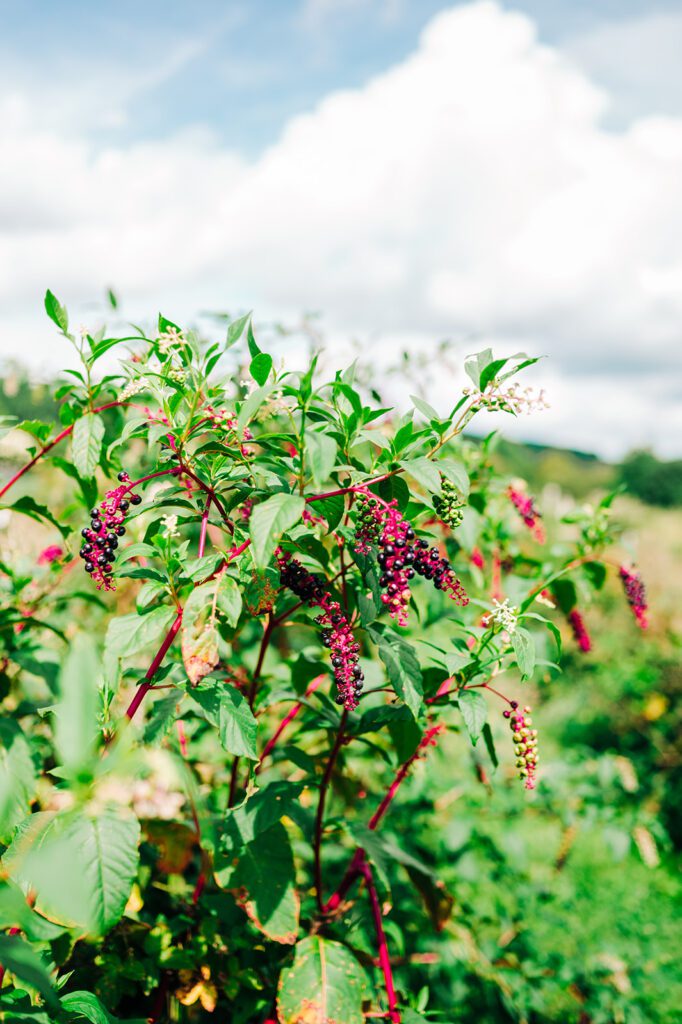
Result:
496,173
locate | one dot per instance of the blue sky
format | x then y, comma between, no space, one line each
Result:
497,173
245,68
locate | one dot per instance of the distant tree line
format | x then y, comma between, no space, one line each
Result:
652,481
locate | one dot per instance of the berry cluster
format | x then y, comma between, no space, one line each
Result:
525,742
432,566
635,592
396,560
100,540
368,523
400,555
525,506
336,633
449,505
577,624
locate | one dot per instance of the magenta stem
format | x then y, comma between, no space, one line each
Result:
48,447
144,688
384,959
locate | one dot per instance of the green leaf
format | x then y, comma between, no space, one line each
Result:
15,912
490,744
324,984
491,371
56,312
236,329
332,509
238,727
474,708
260,811
475,364
87,1005
424,408
17,777
225,707
261,367
424,471
524,649
76,726
251,405
229,599
269,521
87,437
19,958
28,507
321,452
402,665
455,472
81,865
264,876
596,573
129,634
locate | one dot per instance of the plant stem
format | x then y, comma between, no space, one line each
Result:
393,1014
319,817
353,870
48,447
144,687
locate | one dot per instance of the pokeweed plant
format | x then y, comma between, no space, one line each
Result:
219,676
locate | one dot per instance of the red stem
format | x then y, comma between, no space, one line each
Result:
384,959
48,447
353,869
319,817
144,688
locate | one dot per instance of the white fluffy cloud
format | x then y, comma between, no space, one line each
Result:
469,191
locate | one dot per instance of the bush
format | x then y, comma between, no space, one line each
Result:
317,601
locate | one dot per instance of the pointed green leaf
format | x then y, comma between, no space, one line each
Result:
524,649
19,958
81,865
474,708
321,455
402,665
87,437
269,521
56,312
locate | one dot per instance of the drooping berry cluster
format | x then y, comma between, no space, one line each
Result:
449,505
396,560
432,566
577,624
101,539
525,506
525,742
635,591
336,632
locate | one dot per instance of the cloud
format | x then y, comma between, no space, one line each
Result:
469,191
